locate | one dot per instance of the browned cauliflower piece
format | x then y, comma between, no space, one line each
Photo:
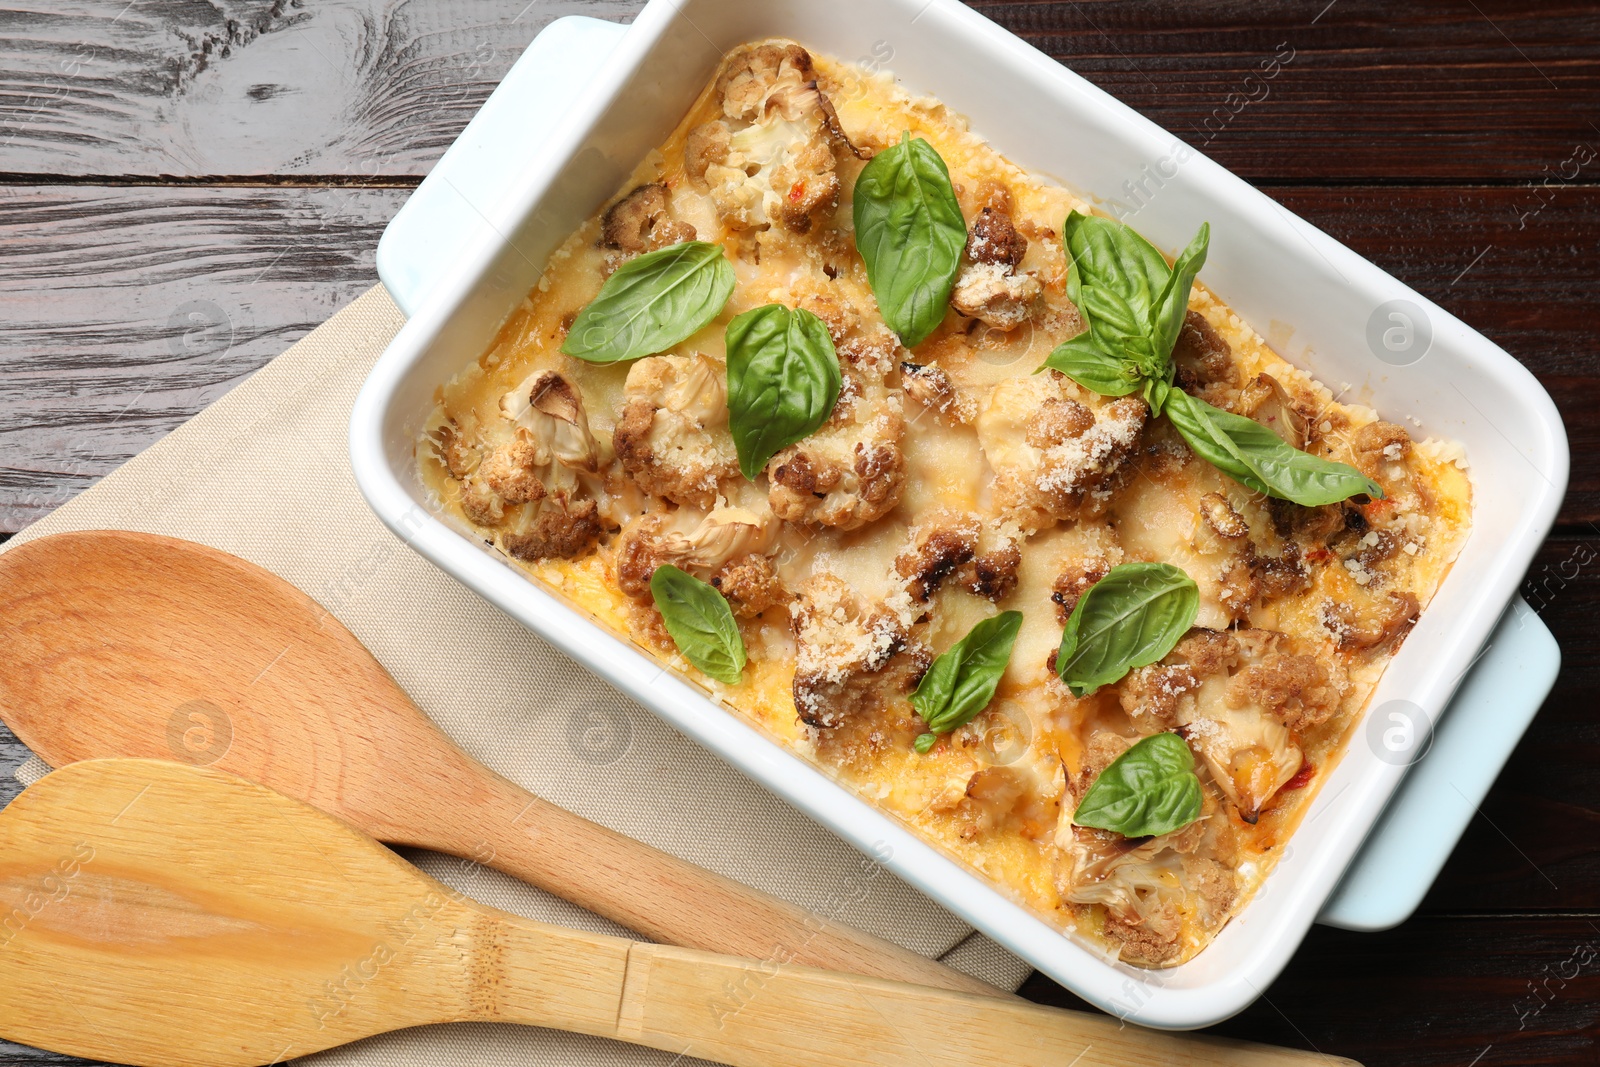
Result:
705,547
1243,724
1267,401
1055,449
931,387
639,222
1296,688
851,471
1205,362
991,286
752,585
937,550
1144,886
1024,797
980,557
852,657
1379,623
1244,577
778,166
532,489
1152,696
562,527
1378,445
672,436
1074,580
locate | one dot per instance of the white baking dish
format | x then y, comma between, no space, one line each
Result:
588,100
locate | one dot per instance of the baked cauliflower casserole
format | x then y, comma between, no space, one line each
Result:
958,490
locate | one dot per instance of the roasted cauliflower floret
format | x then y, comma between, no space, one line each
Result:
931,387
562,526
1296,688
1054,455
852,657
778,166
1204,362
1153,696
672,436
532,487
960,548
1243,723
752,585
989,286
1144,886
1024,796
1379,447
1238,577
937,549
851,471
639,222
1377,623
719,539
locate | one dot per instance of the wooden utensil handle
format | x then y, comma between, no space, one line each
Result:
767,1014
668,899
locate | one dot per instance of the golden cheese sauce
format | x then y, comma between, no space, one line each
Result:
955,482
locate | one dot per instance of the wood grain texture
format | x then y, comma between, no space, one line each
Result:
1370,89
117,644
201,920
353,88
128,310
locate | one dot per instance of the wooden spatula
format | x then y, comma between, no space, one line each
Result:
162,914
123,644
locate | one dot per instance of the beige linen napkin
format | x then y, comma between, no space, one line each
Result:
264,474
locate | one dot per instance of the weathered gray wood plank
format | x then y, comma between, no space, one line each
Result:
127,310
250,87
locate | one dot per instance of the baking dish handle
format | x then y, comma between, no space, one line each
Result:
451,208
1471,743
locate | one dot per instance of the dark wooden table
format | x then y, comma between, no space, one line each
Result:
186,188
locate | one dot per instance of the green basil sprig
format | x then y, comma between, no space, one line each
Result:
652,303
1254,456
1149,790
1130,618
1134,305
701,623
910,232
783,380
963,679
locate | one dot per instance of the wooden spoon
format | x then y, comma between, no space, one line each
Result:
170,915
124,644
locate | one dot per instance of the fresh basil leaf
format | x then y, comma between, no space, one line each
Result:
1255,457
652,303
783,380
1166,317
1086,363
1130,618
1149,790
1117,327
962,681
701,623
1109,255
910,233
925,742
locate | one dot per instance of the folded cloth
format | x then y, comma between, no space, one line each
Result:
264,473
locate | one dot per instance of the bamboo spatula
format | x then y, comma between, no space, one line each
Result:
107,637
168,915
